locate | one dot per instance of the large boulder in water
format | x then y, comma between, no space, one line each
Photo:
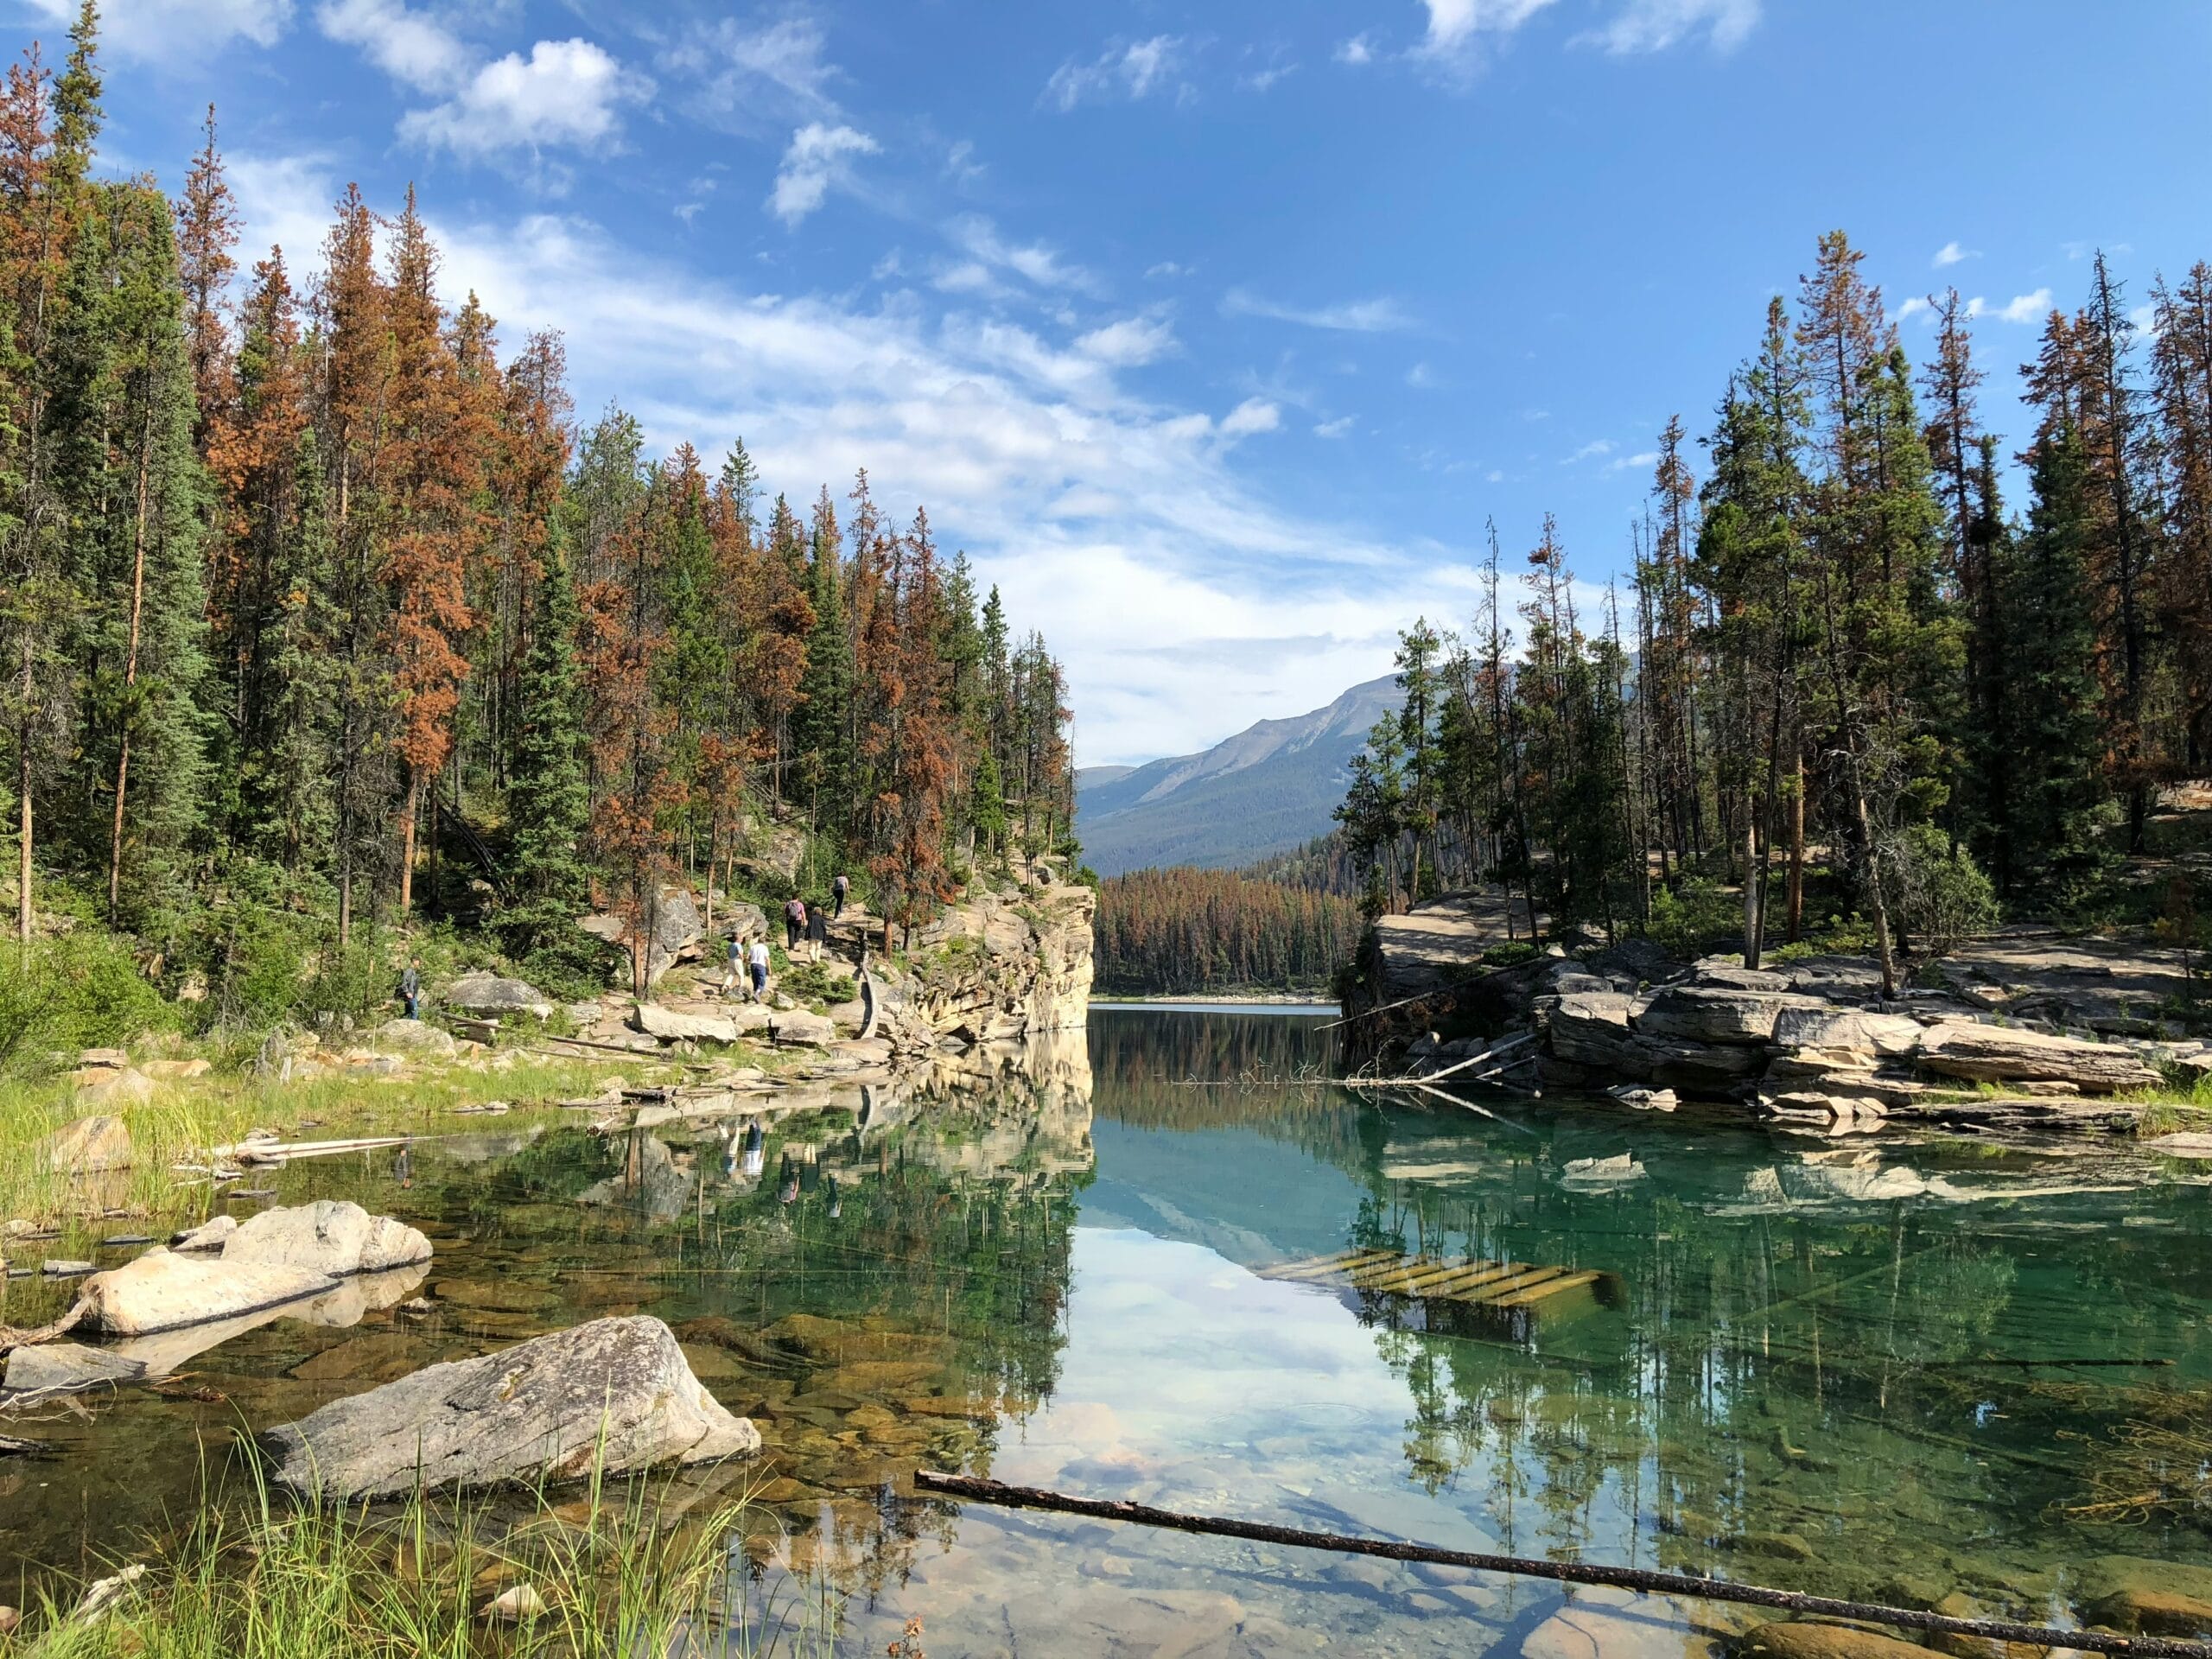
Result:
615,1395
278,1257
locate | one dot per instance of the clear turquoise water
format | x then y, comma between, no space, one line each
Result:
1857,1370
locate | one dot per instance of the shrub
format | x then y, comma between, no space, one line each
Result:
82,990
1941,895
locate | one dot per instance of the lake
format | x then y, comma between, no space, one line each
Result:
1896,1370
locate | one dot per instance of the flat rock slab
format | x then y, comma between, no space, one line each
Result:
801,1029
1720,1014
680,1025
614,1394
493,994
276,1257
2008,1054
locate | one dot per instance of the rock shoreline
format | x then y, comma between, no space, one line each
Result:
2056,1027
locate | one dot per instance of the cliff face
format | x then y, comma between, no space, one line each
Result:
996,967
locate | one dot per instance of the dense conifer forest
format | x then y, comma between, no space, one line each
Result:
322,615
1182,930
1843,657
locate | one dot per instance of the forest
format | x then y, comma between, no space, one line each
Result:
1183,931
1842,657
324,619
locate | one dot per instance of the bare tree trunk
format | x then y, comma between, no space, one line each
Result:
23,830
407,843
1797,855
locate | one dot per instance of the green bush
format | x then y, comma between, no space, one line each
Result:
1693,914
82,990
1509,955
1941,895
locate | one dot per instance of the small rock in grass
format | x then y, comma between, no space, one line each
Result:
515,1606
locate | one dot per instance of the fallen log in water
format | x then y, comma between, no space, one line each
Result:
934,1483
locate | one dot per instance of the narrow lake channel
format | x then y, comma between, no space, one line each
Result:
1895,1368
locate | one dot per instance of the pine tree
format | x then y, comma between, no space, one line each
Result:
549,798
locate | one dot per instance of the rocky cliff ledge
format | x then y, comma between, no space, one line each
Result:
2060,1025
996,967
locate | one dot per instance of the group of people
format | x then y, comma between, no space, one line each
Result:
748,963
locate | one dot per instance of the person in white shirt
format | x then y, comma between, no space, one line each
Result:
759,958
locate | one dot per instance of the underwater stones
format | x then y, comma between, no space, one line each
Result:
90,1146
2136,1594
614,1394
2009,1054
1578,1632
1803,1639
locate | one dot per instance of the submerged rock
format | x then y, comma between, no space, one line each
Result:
2136,1594
67,1368
614,1394
1802,1639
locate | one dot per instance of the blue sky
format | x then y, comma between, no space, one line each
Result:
1213,332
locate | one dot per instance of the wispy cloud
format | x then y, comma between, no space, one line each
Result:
1453,24
1634,463
1420,377
1913,307
1129,343
979,239
1375,316
174,28
1596,449
1952,254
2024,308
1133,69
1253,415
1356,51
1336,428
818,156
1656,25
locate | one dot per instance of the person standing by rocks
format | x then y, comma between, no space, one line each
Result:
794,926
758,962
410,988
839,890
737,962
818,932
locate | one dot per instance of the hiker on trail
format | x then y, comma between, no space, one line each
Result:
817,931
838,890
410,988
737,962
794,924
758,962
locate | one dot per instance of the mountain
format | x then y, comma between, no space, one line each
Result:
1266,790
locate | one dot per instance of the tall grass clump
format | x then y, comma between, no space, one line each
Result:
638,1567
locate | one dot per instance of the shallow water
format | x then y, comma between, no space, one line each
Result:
1861,1369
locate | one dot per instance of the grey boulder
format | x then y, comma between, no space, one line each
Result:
614,1394
491,995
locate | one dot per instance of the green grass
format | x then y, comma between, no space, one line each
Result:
623,1568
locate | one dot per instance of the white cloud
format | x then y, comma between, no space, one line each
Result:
1357,316
1336,428
1166,267
1261,81
980,239
1634,463
162,28
819,156
1253,415
564,93
1596,449
2025,308
1656,25
1134,70
1454,23
1952,254
1913,307
1129,343
1420,377
1356,51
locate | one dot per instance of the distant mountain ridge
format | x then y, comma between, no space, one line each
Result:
1266,790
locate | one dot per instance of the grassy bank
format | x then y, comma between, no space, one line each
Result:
592,1571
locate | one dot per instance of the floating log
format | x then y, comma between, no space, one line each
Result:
282,1152
931,1482
1322,1267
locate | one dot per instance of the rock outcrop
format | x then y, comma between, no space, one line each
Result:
995,967
1999,1054
615,1395
493,996
675,935
90,1146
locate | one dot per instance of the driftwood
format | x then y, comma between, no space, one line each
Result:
283,1152
930,1481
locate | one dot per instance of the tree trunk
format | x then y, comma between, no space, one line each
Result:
407,843
130,675
1797,854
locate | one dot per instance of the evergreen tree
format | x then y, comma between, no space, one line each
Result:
549,798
